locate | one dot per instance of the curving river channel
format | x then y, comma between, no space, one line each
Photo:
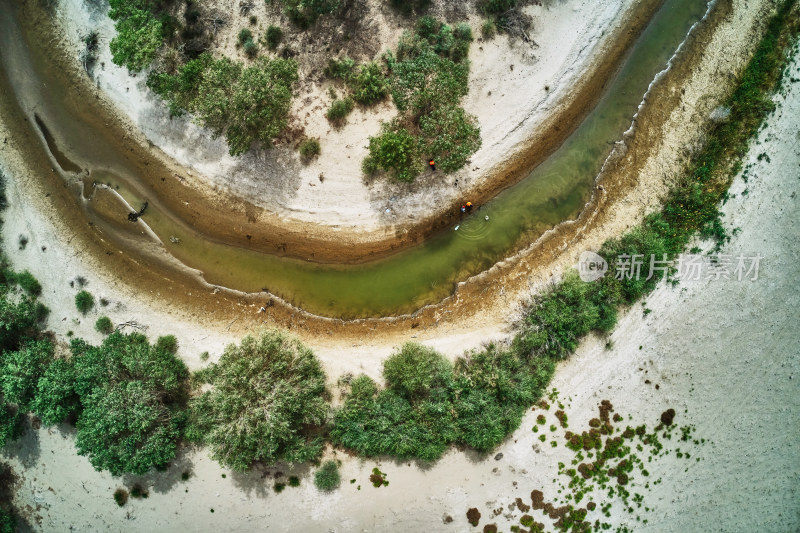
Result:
555,191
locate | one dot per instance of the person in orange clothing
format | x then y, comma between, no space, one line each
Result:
432,164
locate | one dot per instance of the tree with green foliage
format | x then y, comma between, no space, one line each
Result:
140,33
266,394
125,427
212,103
411,418
327,478
20,371
132,397
55,397
428,82
259,105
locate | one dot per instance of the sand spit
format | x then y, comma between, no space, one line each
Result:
527,98
724,354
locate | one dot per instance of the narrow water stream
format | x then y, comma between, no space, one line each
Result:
555,191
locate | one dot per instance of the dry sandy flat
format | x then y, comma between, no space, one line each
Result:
725,354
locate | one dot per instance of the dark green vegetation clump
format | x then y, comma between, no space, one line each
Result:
309,149
273,37
121,497
429,403
104,325
327,478
267,396
428,77
609,466
245,104
84,301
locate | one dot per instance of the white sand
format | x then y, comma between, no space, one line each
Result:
725,351
507,95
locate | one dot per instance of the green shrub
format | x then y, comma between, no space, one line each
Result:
250,49
121,497
450,137
327,478
20,371
28,283
140,33
104,325
259,106
168,344
339,110
489,28
340,69
273,37
244,36
304,13
84,301
416,370
395,151
267,396
133,398
8,521
370,85
309,148
427,82
294,481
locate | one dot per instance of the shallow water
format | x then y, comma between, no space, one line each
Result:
555,191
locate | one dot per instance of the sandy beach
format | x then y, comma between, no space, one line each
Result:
724,354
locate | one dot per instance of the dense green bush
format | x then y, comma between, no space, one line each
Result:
428,404
84,301
28,283
339,110
369,85
340,69
246,104
259,105
132,403
20,371
244,36
266,393
140,32
104,325
395,151
309,148
273,37
427,82
8,521
327,478
304,13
